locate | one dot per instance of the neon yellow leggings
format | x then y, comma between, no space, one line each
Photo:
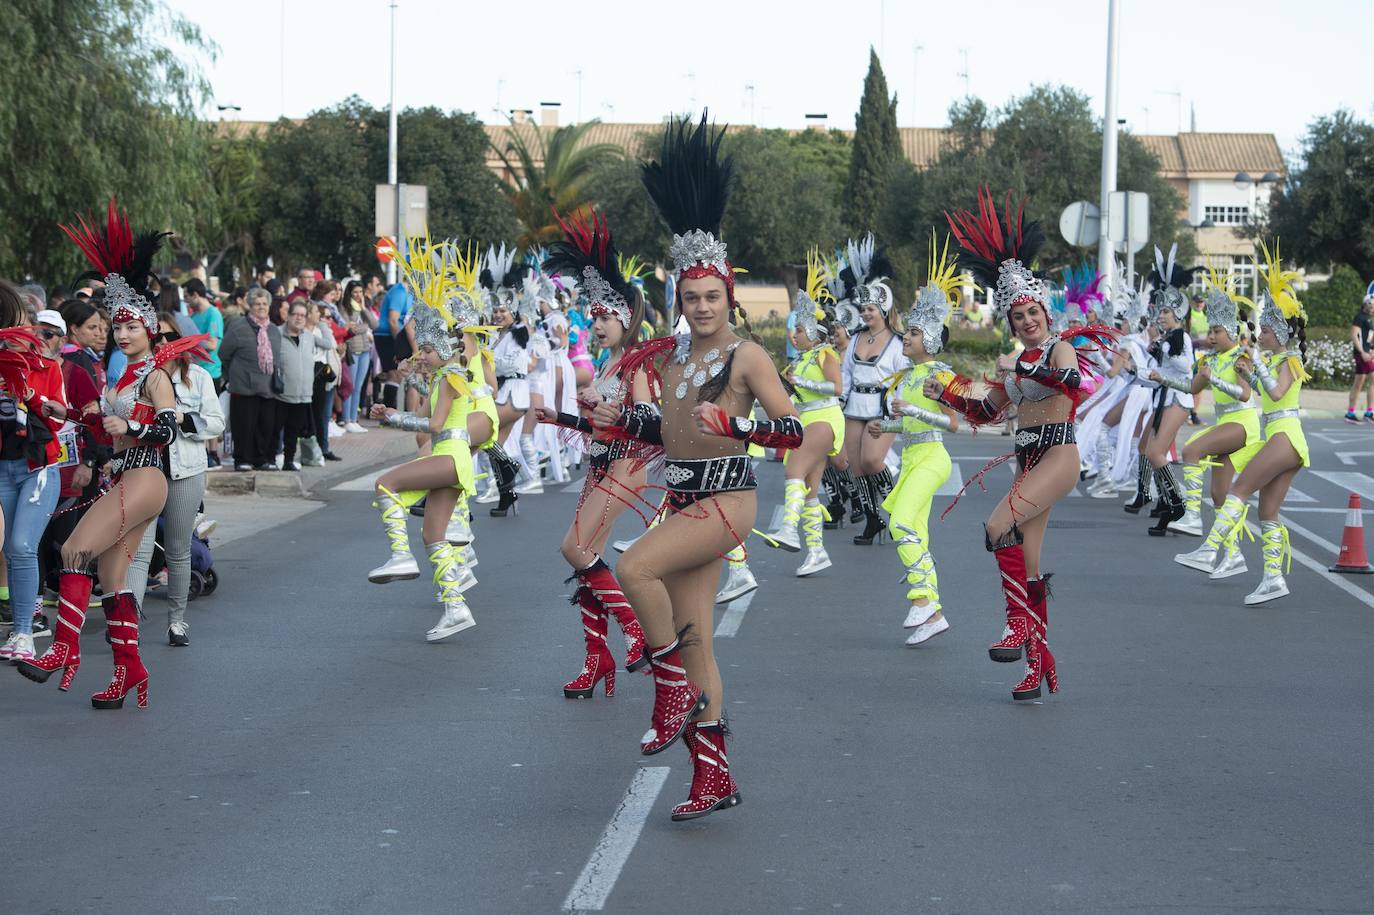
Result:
925,468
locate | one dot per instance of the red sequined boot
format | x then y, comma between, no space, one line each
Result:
712,787
121,616
74,595
599,577
1039,664
676,699
1011,562
599,664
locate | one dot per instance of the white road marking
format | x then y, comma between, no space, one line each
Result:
1297,495
1302,558
1322,542
365,483
1348,457
1350,481
593,886
734,615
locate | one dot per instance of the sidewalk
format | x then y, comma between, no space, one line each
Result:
379,445
1314,404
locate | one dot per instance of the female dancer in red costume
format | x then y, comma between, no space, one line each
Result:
1046,381
614,474
140,414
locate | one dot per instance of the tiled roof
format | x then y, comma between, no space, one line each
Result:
1218,153
1186,154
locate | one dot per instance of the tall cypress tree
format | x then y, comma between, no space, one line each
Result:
877,148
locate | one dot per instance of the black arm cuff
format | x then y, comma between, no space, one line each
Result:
644,423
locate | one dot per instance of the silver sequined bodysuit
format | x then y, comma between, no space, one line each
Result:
611,387
1021,388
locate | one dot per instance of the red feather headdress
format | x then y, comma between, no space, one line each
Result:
124,260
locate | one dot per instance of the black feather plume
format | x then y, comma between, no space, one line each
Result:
690,184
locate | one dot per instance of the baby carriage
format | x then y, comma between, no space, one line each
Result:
204,579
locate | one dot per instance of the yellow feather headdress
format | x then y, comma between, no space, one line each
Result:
936,300
814,292
1279,302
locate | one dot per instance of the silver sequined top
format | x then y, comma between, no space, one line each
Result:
1020,388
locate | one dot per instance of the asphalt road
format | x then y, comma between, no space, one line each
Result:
310,752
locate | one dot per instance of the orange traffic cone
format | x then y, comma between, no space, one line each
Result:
1352,557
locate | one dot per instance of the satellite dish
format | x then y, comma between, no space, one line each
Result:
1081,224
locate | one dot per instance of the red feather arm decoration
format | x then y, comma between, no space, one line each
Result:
164,353
977,411
110,251
644,357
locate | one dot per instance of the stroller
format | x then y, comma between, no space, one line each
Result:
204,579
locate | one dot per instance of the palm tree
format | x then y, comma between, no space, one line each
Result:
550,176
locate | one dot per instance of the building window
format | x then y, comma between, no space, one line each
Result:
1227,216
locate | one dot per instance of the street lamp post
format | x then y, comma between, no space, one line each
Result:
1243,182
391,171
1105,259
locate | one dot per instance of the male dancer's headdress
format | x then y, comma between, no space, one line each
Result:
690,184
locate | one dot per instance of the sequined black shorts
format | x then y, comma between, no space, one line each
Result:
691,481
1034,441
602,454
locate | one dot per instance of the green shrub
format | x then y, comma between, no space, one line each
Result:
1335,301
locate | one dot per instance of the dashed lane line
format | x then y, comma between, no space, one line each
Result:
594,885
734,615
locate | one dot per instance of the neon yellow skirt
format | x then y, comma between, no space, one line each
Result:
832,416
1290,426
1249,421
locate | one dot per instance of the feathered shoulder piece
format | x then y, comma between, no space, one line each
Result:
690,185
1168,280
587,253
936,300
124,259
999,249
809,307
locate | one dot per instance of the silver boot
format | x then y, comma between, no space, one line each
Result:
1232,562
1272,585
739,582
459,532
451,579
401,566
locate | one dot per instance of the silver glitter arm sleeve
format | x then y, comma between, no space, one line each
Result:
1229,388
931,417
407,421
817,387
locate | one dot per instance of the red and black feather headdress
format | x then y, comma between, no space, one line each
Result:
123,259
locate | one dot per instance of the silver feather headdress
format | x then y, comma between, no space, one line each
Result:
935,300
869,272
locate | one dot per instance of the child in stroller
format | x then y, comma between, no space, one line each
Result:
204,579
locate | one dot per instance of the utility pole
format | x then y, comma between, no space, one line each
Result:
750,89
391,171
1105,260
579,95
964,75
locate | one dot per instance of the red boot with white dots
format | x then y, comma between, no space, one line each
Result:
712,787
121,616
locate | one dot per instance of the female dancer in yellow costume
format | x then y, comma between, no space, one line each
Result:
1224,445
445,476
922,423
815,379
1271,465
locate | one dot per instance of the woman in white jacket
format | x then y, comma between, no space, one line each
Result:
199,419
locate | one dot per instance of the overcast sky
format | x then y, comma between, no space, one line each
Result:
1252,66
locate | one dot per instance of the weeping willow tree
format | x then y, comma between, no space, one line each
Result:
549,171
99,97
